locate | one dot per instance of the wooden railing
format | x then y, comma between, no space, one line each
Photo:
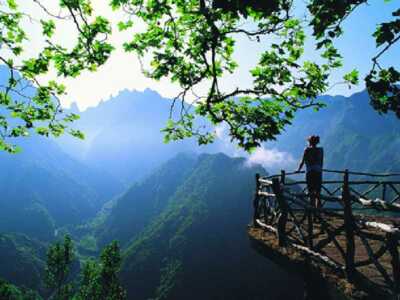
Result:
346,232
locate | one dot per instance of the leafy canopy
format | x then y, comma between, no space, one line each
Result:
192,43
27,104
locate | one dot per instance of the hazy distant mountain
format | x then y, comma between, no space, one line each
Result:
124,138
124,144
42,188
123,135
184,231
353,134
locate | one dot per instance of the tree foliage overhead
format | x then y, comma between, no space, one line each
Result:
26,102
192,44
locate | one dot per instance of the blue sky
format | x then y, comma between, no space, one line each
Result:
357,44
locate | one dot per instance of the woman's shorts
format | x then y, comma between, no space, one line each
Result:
314,181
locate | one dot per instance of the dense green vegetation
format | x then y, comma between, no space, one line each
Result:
98,279
177,226
174,227
22,261
181,229
11,292
144,201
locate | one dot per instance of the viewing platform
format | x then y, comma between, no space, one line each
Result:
348,245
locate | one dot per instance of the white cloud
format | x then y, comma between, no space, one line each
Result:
221,131
224,142
271,158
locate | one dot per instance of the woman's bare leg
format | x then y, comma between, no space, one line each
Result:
318,203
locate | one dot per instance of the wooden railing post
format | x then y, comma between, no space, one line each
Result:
256,201
276,187
384,191
283,176
310,228
392,244
349,227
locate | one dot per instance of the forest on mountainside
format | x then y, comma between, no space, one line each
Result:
175,205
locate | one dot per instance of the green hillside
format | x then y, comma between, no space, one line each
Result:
42,188
194,244
183,227
22,261
144,201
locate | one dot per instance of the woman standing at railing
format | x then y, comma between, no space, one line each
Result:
313,157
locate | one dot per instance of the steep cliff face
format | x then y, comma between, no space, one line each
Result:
195,245
144,201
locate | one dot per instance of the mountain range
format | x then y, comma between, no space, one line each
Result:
180,216
42,188
123,135
354,135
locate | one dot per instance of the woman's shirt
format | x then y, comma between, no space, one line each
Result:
314,158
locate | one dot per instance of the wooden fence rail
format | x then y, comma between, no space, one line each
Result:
345,232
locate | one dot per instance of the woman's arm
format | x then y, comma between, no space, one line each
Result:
302,162
322,158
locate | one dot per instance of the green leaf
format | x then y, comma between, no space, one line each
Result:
352,77
48,27
78,134
12,4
